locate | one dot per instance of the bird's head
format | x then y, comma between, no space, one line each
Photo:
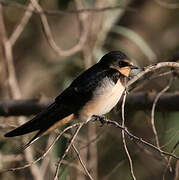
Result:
119,61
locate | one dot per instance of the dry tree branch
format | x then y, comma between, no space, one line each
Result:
67,149
14,88
163,74
104,120
82,163
153,120
152,77
61,12
139,100
148,69
123,137
44,154
169,161
8,56
152,68
94,118
50,39
46,161
153,111
20,27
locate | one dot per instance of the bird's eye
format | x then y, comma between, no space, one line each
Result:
122,64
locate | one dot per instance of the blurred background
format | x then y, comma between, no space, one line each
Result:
39,61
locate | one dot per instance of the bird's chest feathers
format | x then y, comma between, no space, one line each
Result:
105,97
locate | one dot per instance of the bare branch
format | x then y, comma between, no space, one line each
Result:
14,87
152,68
8,56
82,163
20,27
44,154
51,41
169,161
133,137
153,111
79,125
153,120
61,12
66,151
123,137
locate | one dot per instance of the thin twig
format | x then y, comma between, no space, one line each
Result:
163,74
153,111
46,161
20,27
66,151
169,160
147,79
82,163
107,121
15,89
12,80
51,41
123,137
44,154
152,68
61,12
153,118
133,137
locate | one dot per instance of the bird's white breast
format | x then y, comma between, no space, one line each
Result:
104,99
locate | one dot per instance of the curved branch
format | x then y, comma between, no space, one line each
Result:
104,120
50,39
152,68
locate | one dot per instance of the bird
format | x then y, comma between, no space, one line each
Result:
95,92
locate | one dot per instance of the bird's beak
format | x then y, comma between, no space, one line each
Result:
134,67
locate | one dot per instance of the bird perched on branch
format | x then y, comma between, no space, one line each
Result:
95,92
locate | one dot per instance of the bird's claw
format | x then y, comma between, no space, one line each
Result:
127,92
99,118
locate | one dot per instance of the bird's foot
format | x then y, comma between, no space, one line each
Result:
99,118
127,91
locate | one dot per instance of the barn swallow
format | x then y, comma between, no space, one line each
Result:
95,92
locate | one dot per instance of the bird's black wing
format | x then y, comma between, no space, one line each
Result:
68,102
42,120
81,89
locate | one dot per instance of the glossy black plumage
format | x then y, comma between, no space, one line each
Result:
76,96
81,89
69,101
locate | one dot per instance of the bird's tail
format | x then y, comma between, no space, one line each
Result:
44,131
49,119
